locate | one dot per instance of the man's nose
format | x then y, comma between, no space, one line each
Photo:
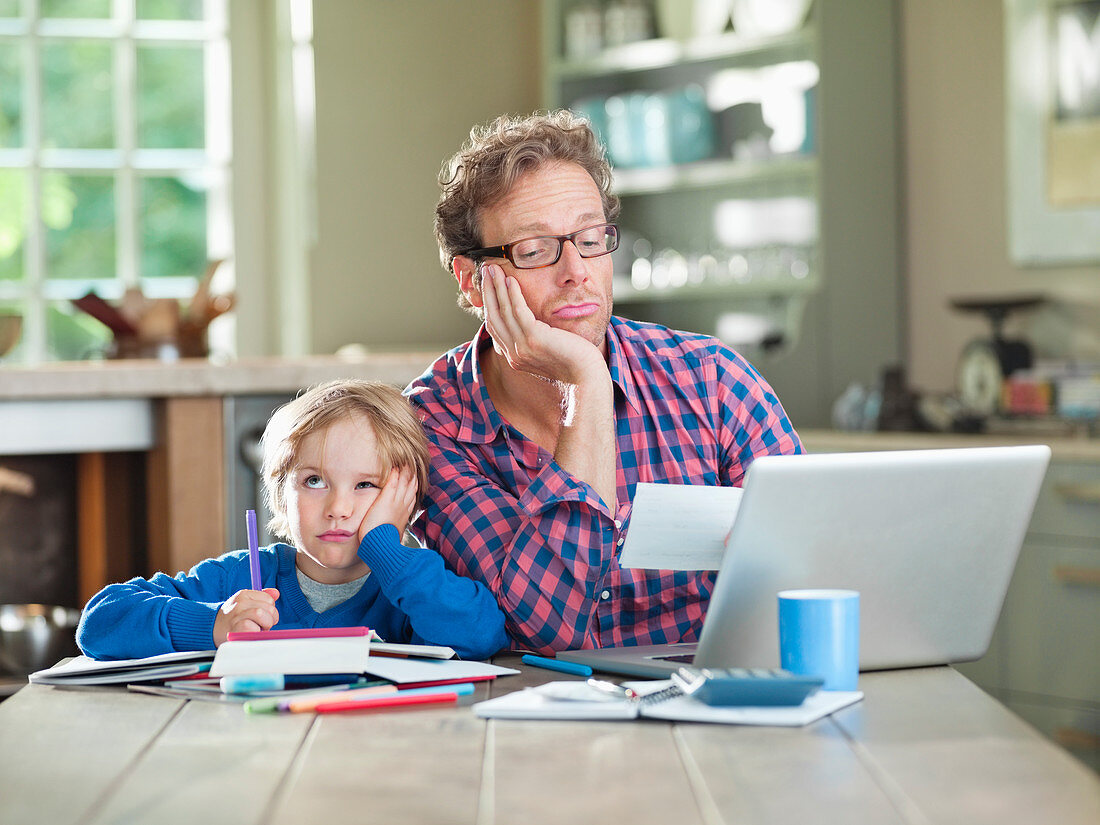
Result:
571,266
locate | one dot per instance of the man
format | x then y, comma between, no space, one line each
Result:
542,425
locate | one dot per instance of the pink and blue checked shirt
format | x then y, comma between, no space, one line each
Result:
688,410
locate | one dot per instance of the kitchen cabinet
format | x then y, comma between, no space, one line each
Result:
784,243
1044,658
1044,661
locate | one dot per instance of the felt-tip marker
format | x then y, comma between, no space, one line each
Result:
555,664
253,549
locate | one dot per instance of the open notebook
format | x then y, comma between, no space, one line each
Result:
571,700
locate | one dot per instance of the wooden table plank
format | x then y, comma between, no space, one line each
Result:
780,775
62,750
399,767
575,772
957,756
212,763
925,746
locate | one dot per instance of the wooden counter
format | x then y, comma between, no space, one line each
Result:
174,413
196,377
1064,448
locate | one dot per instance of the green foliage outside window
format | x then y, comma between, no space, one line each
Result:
78,210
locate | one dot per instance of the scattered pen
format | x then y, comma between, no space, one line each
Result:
554,664
392,700
253,549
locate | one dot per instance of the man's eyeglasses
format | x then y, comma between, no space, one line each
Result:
533,253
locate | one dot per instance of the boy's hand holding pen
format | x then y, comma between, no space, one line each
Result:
246,610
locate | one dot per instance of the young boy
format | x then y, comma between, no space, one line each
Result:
344,466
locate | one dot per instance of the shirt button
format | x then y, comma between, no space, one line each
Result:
618,524
605,595
620,541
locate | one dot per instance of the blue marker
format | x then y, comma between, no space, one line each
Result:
252,682
555,664
460,689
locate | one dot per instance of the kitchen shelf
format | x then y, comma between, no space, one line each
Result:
761,287
660,53
838,324
704,174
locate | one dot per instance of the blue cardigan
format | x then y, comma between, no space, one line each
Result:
410,596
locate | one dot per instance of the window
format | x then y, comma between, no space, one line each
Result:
114,160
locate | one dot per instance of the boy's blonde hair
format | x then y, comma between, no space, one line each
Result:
397,434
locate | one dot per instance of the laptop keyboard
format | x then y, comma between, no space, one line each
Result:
686,658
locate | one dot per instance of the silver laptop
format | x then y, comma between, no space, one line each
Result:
928,537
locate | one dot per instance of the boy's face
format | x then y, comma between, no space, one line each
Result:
336,478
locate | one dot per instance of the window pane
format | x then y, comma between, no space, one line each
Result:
86,9
77,100
11,331
10,8
170,98
85,248
72,335
13,223
173,228
169,9
11,95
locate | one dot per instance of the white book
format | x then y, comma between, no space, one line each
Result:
328,654
82,670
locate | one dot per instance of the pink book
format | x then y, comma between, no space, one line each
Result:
296,633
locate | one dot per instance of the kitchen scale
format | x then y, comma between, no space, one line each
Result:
985,363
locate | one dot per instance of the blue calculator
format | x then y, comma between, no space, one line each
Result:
753,687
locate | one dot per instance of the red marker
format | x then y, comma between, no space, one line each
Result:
386,701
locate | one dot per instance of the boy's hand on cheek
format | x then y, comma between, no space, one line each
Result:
246,610
394,505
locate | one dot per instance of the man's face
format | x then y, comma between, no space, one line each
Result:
575,293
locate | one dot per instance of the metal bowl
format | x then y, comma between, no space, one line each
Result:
35,636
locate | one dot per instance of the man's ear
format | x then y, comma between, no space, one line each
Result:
469,278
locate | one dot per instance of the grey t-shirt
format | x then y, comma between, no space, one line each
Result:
322,597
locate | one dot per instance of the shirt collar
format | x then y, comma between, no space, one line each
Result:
621,373
480,419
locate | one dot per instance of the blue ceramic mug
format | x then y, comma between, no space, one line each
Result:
819,635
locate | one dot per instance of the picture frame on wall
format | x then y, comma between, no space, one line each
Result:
1052,53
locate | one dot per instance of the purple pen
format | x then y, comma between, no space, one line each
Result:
253,549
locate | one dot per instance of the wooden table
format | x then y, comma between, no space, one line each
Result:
925,746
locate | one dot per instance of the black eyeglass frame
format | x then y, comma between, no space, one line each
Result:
505,250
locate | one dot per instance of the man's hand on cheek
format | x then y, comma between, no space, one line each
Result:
528,344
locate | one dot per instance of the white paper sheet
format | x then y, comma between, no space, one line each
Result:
679,526
403,671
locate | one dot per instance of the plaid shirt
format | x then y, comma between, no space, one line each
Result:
688,410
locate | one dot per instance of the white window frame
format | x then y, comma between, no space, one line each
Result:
128,163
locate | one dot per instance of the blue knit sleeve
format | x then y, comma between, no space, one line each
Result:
441,607
164,614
